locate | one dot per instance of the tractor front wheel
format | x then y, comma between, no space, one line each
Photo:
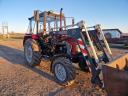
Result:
63,71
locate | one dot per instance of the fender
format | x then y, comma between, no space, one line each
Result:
26,36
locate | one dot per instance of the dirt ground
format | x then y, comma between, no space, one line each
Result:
17,79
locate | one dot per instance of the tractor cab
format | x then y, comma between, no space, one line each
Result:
44,22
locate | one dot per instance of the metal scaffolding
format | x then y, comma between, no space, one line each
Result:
4,30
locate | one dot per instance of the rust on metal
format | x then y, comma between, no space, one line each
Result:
115,75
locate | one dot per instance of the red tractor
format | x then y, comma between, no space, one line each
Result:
51,38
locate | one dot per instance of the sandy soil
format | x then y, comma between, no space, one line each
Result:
17,79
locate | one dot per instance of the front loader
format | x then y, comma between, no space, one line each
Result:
49,37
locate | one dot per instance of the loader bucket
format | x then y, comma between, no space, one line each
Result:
115,76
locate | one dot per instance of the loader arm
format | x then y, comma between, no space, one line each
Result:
93,62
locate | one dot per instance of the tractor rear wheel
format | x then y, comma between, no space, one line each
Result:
32,52
63,71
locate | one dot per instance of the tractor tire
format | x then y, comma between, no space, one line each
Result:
63,71
32,52
82,64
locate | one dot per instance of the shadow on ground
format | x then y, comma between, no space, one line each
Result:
16,56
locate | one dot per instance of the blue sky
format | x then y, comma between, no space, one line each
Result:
109,13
